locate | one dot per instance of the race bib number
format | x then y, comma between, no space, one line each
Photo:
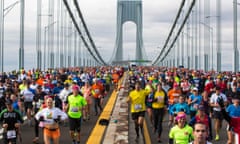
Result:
137,106
74,109
11,134
160,98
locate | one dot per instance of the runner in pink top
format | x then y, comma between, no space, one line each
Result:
86,91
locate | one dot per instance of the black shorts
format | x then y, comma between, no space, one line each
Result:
28,105
75,124
135,115
217,115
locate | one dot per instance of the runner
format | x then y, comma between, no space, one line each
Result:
97,93
200,134
173,96
50,117
137,100
86,91
159,106
27,95
11,120
74,106
217,115
181,133
115,79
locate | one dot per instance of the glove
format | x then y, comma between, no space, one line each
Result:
220,102
58,119
41,118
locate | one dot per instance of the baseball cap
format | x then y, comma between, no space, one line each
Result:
195,89
94,80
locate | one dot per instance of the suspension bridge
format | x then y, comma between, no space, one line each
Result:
200,34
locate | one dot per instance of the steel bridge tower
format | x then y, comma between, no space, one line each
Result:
128,10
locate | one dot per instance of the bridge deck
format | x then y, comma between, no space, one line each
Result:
120,129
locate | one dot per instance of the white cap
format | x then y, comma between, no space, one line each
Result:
196,89
94,80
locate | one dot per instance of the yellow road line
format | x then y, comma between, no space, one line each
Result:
146,133
98,131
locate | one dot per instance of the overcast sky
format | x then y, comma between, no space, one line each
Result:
100,16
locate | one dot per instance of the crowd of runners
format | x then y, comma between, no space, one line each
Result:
190,99
47,98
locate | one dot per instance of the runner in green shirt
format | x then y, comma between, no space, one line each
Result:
181,133
74,105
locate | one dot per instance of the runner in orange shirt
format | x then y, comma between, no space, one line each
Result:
97,92
173,96
115,79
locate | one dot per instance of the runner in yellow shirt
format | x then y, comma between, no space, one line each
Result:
138,107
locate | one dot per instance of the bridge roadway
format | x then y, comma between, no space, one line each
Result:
119,131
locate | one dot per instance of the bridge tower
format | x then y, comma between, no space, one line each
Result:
128,10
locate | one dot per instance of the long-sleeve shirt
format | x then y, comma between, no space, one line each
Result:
49,114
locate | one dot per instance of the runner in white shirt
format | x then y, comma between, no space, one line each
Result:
27,95
84,77
50,116
65,92
34,85
217,115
